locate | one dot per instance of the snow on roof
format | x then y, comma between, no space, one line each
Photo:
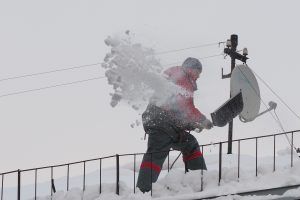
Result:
180,185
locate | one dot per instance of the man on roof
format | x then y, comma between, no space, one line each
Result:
169,125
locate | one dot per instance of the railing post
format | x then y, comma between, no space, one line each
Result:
53,186
100,176
239,158
169,161
53,189
19,184
134,163
35,183
2,186
292,150
220,163
256,156
118,174
274,162
83,188
151,172
202,171
68,176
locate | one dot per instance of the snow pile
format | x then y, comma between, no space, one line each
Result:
290,194
135,74
179,185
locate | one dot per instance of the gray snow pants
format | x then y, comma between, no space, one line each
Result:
152,162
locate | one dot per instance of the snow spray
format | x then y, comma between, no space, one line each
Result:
135,74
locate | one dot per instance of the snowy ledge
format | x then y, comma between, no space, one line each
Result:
178,185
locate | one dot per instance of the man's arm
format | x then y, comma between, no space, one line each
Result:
192,114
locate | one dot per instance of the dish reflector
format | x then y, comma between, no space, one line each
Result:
242,79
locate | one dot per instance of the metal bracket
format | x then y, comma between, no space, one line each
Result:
272,106
225,75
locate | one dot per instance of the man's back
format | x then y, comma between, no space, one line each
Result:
178,111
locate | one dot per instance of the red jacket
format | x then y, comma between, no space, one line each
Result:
183,104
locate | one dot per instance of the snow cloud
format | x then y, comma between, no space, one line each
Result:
135,73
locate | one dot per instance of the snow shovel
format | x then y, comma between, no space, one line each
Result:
229,110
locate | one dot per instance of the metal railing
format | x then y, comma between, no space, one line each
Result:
117,164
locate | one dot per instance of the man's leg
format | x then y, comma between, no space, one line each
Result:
152,162
192,156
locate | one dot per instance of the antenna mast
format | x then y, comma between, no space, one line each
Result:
230,50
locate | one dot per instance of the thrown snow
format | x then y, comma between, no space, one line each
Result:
179,185
135,74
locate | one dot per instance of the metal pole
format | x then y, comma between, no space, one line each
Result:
274,163
202,171
234,43
53,186
83,176
230,129
100,176
2,186
68,177
35,183
220,162
134,162
168,161
118,174
239,158
151,172
256,156
52,183
51,190
292,150
19,184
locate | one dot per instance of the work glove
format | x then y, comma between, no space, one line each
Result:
207,124
198,129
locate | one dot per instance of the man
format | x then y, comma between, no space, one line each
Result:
168,125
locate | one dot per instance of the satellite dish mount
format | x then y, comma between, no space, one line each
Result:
230,50
244,92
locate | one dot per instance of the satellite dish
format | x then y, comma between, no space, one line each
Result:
245,99
243,80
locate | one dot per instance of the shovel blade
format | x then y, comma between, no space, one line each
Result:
229,110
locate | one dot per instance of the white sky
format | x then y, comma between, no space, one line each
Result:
76,122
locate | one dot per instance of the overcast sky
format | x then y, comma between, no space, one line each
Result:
76,122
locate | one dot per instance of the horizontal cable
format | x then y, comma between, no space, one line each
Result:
277,120
65,69
201,58
98,63
282,101
48,72
192,47
212,56
52,86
